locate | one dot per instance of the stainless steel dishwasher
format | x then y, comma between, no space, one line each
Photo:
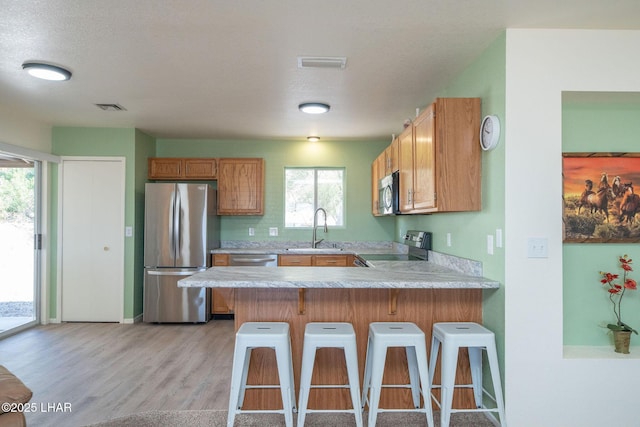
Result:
253,260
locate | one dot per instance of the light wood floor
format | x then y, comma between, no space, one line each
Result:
107,370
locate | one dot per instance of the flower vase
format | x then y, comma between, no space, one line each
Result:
621,340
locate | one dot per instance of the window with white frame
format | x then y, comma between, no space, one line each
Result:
307,189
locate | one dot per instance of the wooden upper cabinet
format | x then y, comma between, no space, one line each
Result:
165,168
391,157
440,158
201,168
183,168
241,186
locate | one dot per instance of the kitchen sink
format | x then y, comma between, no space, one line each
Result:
315,250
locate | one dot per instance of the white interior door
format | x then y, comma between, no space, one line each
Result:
92,268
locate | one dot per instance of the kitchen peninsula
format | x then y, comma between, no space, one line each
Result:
391,291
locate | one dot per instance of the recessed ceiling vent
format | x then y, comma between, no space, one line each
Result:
111,107
337,62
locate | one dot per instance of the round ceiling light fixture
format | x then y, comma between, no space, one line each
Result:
46,71
313,138
314,107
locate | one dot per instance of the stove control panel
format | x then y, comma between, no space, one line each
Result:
418,239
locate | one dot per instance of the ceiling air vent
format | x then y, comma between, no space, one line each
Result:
111,107
338,62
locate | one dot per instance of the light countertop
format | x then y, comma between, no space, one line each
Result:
383,274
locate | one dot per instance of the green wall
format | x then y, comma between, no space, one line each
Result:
111,142
355,156
597,126
484,78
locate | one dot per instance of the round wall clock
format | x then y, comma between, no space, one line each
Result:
489,132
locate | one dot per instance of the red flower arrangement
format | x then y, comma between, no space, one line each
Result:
616,292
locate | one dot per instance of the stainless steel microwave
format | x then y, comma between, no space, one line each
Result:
389,194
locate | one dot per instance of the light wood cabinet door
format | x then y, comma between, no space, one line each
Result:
241,186
405,162
221,299
165,168
391,158
424,168
458,155
201,168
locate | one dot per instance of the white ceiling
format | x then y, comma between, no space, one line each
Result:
227,69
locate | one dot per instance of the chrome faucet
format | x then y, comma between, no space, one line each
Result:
314,242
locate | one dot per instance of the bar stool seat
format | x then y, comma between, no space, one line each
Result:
334,335
383,335
452,336
252,335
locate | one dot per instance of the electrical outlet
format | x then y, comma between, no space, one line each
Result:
537,247
128,231
252,231
273,231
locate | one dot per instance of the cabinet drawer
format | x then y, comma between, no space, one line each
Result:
331,260
294,260
220,260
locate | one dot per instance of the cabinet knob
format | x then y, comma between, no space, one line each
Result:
106,248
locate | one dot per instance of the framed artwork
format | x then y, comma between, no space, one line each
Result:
599,201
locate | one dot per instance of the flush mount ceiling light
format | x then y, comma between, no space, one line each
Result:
46,71
313,138
314,107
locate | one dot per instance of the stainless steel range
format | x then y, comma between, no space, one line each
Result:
419,243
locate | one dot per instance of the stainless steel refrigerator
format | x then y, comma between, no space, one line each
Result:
181,227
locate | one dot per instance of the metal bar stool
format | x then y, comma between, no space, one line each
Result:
383,335
335,335
452,336
252,335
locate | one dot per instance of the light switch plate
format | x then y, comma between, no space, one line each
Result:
498,237
490,244
537,247
273,231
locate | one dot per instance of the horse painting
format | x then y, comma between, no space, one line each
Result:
598,197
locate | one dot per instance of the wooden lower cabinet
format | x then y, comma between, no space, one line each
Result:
424,307
221,299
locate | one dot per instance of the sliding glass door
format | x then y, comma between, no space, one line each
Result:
19,243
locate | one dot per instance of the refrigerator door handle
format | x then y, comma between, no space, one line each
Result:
172,228
178,225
